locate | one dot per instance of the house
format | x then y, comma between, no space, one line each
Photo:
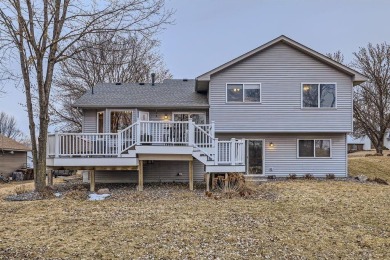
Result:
358,143
13,155
279,109
364,143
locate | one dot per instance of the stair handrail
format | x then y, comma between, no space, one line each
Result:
133,138
212,156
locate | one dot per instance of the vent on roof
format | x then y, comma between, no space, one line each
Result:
118,83
185,79
141,83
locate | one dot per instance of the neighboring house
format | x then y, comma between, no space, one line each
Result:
13,155
358,144
364,143
279,109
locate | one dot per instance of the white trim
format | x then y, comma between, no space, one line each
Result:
243,93
247,156
314,147
319,95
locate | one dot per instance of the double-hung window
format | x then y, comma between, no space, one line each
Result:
243,93
314,148
319,95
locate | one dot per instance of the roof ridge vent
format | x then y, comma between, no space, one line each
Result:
141,83
118,83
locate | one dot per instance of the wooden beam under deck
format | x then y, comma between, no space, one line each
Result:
165,157
98,168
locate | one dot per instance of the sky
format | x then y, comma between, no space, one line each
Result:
208,33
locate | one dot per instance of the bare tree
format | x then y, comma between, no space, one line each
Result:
9,128
337,56
41,34
372,99
120,59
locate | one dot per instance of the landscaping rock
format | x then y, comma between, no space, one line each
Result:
362,178
103,191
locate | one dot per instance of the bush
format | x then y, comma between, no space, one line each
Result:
330,176
271,177
308,176
292,176
21,189
232,185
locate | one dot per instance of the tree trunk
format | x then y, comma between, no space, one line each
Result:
379,147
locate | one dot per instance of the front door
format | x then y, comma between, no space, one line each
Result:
254,157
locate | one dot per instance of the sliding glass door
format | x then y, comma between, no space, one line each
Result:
254,157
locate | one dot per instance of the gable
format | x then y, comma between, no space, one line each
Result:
357,78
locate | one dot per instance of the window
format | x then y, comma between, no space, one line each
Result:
120,120
318,148
248,93
197,118
320,95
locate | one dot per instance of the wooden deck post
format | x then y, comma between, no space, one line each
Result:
226,181
191,174
207,181
141,175
50,178
92,180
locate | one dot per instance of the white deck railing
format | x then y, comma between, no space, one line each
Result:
171,133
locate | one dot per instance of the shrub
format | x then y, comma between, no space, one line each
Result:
271,177
292,176
21,189
231,185
330,176
308,176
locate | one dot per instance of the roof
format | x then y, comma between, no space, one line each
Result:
356,76
171,93
9,144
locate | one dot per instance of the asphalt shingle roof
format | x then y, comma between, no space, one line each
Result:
169,93
9,144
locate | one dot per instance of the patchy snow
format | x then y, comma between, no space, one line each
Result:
57,194
95,196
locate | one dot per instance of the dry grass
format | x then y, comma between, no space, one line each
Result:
303,219
363,153
373,166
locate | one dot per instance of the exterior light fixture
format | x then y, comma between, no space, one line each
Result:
271,144
165,116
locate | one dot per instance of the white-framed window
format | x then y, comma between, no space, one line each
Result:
314,148
243,92
198,118
319,95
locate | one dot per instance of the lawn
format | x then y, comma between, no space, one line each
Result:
301,219
372,166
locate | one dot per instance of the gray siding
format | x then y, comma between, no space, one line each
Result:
283,160
280,70
11,162
158,171
89,121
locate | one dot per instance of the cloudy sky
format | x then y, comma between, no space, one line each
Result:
208,33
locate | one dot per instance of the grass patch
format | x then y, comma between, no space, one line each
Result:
370,166
287,220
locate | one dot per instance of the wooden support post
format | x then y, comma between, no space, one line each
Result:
92,181
226,181
50,178
207,181
191,174
141,175
212,181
